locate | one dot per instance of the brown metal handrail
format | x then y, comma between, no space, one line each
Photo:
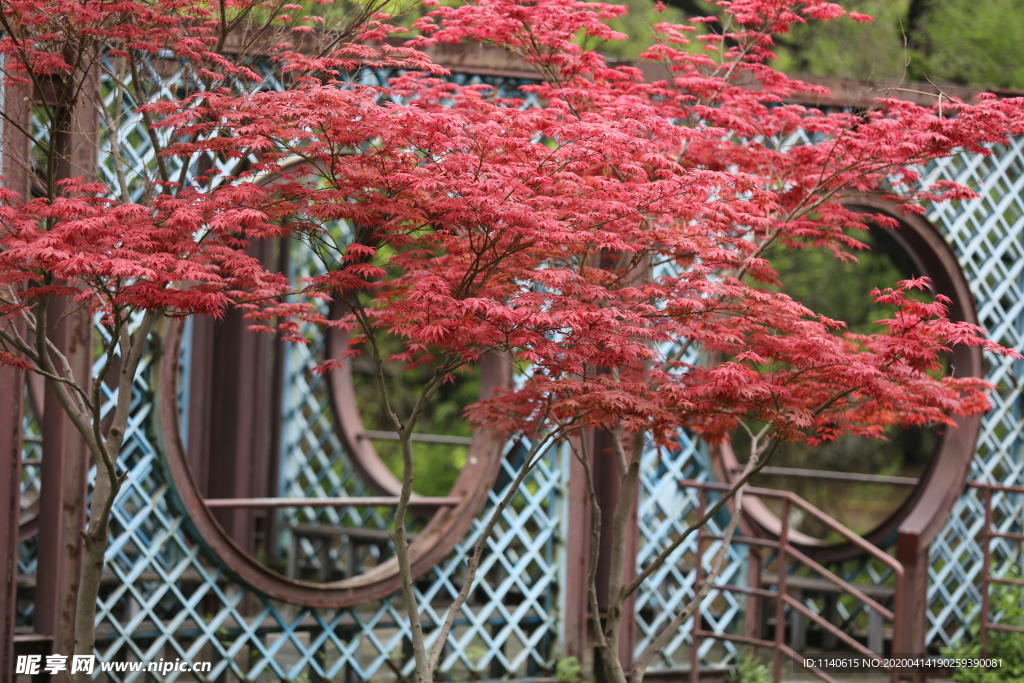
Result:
786,550
354,501
987,534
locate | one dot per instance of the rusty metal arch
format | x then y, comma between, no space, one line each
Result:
445,529
931,501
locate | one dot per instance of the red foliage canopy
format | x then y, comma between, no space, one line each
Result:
594,238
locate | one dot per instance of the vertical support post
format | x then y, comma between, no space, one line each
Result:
62,490
15,166
63,478
698,572
986,554
898,617
575,621
780,602
911,622
11,400
752,622
230,418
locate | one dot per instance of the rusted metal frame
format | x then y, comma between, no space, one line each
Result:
895,615
747,590
753,542
424,438
752,614
368,501
782,597
780,602
695,631
431,545
756,642
802,473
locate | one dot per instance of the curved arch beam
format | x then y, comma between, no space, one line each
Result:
927,507
447,527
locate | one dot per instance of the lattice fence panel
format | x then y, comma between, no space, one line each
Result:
165,599
666,509
663,515
162,597
985,233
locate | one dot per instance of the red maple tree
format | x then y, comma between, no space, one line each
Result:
596,239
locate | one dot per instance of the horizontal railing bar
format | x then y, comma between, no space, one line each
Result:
367,501
806,507
32,438
768,645
999,534
746,640
1012,582
786,650
996,487
36,462
846,585
746,590
1006,627
831,628
425,438
858,541
742,540
839,476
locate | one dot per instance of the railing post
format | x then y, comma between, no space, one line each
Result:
780,601
898,616
16,169
11,392
697,573
986,555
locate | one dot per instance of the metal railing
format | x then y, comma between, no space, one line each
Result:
986,624
789,558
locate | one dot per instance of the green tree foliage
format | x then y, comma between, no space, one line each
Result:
972,43
961,42
437,464
1007,608
874,50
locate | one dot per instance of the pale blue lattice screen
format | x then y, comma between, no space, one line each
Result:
987,235
164,598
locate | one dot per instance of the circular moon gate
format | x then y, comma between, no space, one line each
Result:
939,485
452,516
